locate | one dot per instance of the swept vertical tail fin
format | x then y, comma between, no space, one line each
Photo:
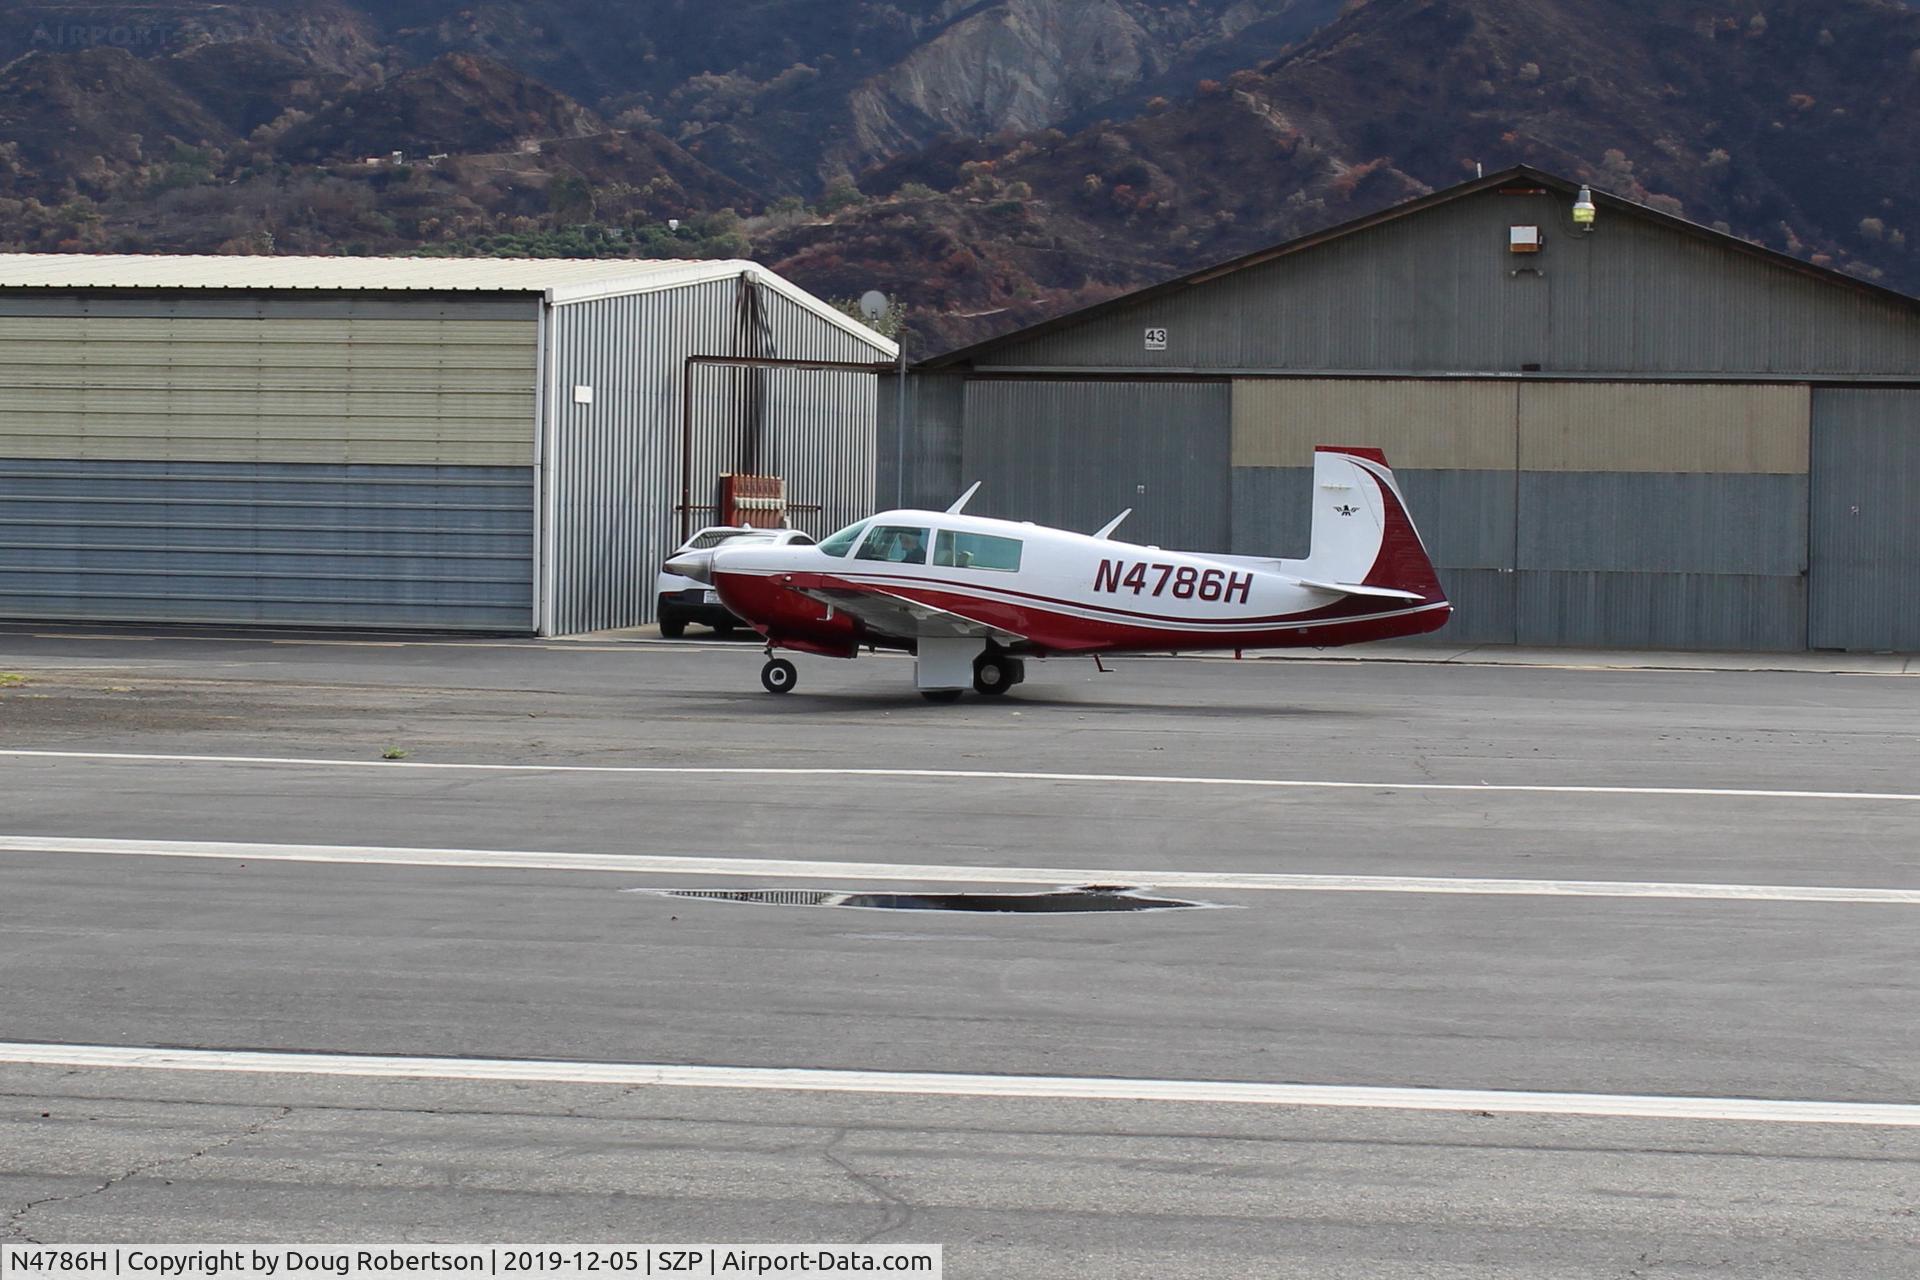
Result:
1362,533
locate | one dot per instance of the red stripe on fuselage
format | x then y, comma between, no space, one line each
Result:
903,584
788,617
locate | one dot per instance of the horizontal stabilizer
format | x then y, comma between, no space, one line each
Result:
1358,589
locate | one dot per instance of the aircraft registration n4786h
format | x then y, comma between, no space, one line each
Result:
972,598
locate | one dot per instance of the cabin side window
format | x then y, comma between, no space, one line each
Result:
977,551
897,544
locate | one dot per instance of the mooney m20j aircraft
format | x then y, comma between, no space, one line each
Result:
972,598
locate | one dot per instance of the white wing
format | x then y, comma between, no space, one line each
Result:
896,615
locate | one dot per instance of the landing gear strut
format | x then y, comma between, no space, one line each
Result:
779,676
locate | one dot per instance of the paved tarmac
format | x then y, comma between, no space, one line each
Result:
1742,779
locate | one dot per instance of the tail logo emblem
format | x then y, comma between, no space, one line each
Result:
1346,510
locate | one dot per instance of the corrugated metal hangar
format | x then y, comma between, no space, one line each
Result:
1645,433
480,444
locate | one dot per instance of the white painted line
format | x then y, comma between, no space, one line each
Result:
788,869
941,1084
1628,661
347,644
554,644
971,775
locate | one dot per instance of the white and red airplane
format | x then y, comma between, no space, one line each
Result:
972,598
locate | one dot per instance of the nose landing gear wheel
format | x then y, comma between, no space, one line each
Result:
779,676
994,674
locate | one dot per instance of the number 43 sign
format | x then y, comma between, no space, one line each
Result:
1156,339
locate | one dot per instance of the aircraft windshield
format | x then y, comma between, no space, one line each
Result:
838,544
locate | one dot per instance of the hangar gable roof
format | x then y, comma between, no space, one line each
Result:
1505,179
558,280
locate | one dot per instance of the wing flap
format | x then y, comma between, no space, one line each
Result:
897,615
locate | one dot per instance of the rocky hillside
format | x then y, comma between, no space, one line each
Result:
988,161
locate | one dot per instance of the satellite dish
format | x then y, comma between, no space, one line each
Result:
873,304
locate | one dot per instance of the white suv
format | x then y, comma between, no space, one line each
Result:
681,600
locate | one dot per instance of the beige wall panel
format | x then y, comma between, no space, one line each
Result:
423,392
486,411
284,331
1669,427
1428,425
161,375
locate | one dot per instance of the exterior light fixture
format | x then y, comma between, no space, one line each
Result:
1583,209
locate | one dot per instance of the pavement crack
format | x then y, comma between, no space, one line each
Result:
15,1225
898,1209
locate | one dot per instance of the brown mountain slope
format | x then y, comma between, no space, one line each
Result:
86,123
784,94
242,147
250,83
336,37
457,103
1790,122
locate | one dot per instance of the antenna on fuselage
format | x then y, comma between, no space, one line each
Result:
960,502
1107,528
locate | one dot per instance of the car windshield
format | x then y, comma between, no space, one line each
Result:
838,544
714,537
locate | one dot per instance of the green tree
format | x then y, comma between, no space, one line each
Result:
840,194
570,198
891,324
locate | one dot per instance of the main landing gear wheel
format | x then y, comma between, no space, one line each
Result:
942,695
994,674
779,676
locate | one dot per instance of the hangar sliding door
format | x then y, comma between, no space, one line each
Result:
1074,454
333,463
1662,515
1864,576
1561,513
1451,445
